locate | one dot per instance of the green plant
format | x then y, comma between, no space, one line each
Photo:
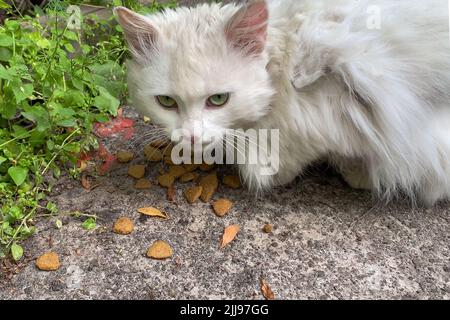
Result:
55,83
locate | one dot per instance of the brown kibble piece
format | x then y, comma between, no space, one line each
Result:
191,167
233,182
177,171
206,167
268,228
171,193
152,212
229,234
160,143
266,291
137,171
166,180
188,177
160,250
222,207
168,161
167,151
153,154
193,194
124,156
143,184
49,261
123,226
209,184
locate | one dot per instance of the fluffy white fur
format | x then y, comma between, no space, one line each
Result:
374,103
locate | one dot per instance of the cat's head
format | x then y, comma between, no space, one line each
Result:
199,69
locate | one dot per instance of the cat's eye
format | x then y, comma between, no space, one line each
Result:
167,102
218,100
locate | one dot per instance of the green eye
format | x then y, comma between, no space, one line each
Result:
218,100
167,102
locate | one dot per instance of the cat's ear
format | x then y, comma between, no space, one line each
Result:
140,34
247,29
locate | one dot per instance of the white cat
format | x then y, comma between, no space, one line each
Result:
364,84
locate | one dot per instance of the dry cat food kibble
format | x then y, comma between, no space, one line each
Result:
48,262
160,143
160,250
137,171
123,226
177,171
153,154
191,167
229,234
171,193
152,212
166,180
233,182
124,156
206,167
193,194
267,228
209,184
222,207
188,177
143,184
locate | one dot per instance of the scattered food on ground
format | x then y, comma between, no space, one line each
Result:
166,180
229,234
177,171
171,193
193,194
233,182
266,291
160,250
124,156
222,207
137,171
152,212
143,184
48,262
188,177
153,154
209,184
123,226
268,228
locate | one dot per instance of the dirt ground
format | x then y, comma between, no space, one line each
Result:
328,242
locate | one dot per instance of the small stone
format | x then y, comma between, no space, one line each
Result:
123,226
268,228
177,171
143,184
188,177
48,262
193,194
160,250
166,180
137,171
209,184
233,182
153,154
222,207
124,156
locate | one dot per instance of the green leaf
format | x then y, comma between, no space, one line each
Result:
5,54
5,40
105,101
2,159
4,74
23,92
18,174
89,224
16,251
4,5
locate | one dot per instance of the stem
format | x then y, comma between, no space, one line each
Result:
61,148
16,138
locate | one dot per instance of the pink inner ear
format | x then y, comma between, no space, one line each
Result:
247,29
